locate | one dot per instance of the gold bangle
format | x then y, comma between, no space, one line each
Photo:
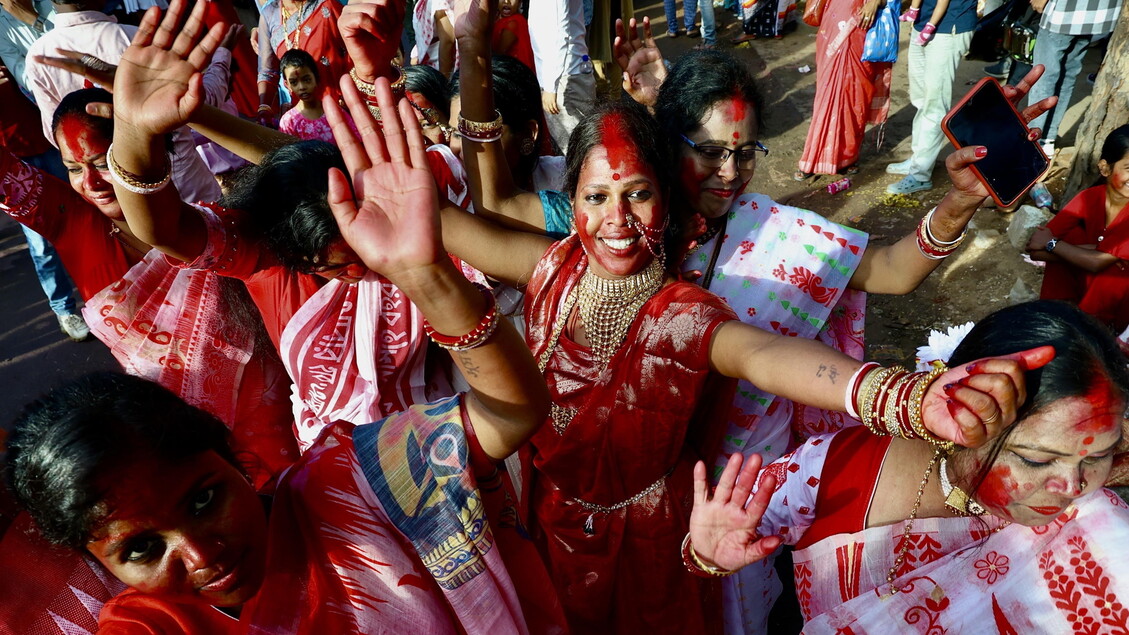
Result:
915,419
481,130
369,88
132,182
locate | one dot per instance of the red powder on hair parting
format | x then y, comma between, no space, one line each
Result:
1100,398
618,144
737,109
76,136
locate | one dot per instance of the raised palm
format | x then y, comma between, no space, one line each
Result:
723,526
394,223
158,82
640,60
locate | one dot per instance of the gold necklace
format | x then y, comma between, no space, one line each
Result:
901,558
297,27
636,284
955,498
608,307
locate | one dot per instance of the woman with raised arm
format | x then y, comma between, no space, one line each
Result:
897,535
781,268
355,348
629,354
404,521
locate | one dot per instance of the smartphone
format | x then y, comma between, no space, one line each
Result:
986,118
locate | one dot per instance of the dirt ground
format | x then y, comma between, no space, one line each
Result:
977,280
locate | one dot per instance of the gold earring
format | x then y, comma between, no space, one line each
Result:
527,146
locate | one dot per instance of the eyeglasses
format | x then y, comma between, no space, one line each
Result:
717,156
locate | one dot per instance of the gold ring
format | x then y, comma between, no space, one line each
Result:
992,419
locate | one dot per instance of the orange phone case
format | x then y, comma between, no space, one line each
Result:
980,85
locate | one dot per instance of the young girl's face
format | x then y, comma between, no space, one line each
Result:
192,531
303,85
1117,176
507,8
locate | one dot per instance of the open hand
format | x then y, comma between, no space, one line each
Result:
723,528
395,229
971,404
371,32
158,85
640,60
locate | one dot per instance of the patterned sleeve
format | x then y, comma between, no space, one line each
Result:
33,198
792,508
226,252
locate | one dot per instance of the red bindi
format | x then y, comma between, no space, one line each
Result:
1087,440
736,135
615,176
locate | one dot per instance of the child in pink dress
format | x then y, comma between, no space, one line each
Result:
306,119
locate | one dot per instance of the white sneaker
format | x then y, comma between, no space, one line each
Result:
909,185
74,326
901,167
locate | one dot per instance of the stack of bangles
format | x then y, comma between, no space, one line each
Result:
368,90
482,132
695,566
932,248
888,401
477,336
132,182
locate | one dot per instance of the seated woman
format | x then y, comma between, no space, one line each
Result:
402,521
1086,245
899,535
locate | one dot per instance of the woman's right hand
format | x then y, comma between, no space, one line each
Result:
395,228
371,31
158,85
723,527
640,60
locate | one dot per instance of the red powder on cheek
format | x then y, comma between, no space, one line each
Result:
997,490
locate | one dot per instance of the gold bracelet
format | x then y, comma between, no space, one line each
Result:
132,182
871,386
915,419
481,130
369,88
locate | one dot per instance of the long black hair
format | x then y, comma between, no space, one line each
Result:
63,443
697,81
285,196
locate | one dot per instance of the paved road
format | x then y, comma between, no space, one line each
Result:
34,354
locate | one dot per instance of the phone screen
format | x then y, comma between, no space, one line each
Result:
1014,162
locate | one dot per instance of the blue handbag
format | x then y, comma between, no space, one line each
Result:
882,36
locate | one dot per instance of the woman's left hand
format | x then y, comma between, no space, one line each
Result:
371,32
396,227
971,404
1040,237
965,181
723,527
867,12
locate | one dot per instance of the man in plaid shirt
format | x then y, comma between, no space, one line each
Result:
1066,30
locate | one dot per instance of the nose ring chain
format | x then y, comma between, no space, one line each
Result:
651,236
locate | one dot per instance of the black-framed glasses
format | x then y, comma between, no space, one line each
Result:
716,156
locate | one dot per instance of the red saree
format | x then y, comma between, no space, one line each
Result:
625,575
849,93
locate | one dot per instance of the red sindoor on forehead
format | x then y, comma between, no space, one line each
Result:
737,109
618,144
1098,397
76,136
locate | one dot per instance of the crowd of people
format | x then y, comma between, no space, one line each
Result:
416,333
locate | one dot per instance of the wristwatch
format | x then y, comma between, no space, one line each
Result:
1051,244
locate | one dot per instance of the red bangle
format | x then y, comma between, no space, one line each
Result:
477,336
